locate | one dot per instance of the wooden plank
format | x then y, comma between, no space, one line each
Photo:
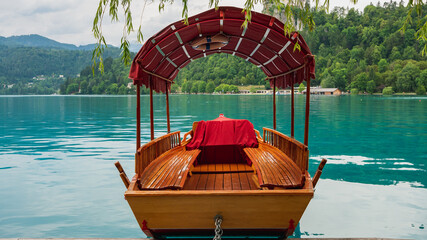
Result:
219,181
274,168
210,184
233,167
184,171
184,211
227,181
226,167
192,182
168,172
201,185
211,167
244,182
218,168
235,181
273,163
253,181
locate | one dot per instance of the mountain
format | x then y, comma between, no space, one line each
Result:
35,40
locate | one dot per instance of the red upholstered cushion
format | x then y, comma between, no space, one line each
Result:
223,139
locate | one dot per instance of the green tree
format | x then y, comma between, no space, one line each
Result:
422,79
84,87
233,89
112,89
382,65
360,82
421,90
354,91
327,82
122,90
406,78
210,87
301,87
73,88
370,86
194,89
201,87
174,88
388,91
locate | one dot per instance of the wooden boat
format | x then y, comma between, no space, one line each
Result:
223,175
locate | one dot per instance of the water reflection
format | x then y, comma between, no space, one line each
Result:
58,179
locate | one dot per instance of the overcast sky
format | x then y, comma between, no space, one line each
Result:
70,21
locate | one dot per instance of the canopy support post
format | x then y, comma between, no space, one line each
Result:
307,111
151,109
292,107
274,104
138,117
167,108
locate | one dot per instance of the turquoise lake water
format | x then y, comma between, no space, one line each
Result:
57,177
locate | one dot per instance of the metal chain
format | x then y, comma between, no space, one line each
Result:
218,229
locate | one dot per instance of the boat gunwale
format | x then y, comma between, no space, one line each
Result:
156,193
307,189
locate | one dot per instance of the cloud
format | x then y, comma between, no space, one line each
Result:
70,21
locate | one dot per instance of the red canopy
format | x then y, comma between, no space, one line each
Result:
262,43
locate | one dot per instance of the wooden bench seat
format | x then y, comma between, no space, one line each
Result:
169,170
274,168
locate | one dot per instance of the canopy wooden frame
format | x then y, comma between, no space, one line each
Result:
167,81
262,43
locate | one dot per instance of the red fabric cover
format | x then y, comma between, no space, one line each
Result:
169,50
222,140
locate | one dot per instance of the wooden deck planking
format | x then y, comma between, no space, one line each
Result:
222,167
210,184
221,181
192,182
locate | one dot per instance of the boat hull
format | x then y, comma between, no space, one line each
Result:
247,212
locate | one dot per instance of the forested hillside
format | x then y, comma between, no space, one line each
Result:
33,64
114,80
367,52
357,51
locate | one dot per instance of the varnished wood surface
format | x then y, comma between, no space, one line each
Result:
274,168
221,181
222,168
295,150
196,211
153,149
185,209
169,170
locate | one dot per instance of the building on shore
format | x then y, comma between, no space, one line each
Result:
244,91
323,91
